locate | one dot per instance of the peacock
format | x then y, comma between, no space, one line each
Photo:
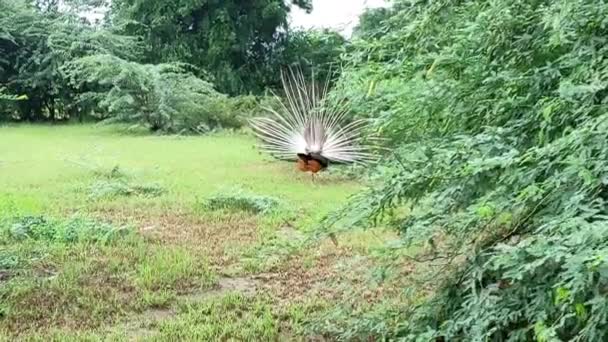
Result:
307,129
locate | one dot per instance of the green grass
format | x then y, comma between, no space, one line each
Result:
171,268
49,169
231,316
106,234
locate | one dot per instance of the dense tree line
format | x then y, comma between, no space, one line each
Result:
164,64
233,40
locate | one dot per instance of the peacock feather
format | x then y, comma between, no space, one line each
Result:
307,127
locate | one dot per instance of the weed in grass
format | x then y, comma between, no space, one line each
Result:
237,199
156,299
110,183
70,273
76,229
275,240
8,260
272,249
108,189
115,172
297,316
97,168
69,299
58,335
355,323
12,204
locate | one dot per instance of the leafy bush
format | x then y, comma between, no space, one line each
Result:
8,260
164,97
237,199
7,97
232,40
35,45
248,106
66,231
122,188
498,114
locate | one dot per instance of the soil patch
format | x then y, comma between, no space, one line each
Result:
246,286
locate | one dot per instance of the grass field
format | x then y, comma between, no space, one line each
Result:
112,235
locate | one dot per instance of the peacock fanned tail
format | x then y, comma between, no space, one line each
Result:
305,126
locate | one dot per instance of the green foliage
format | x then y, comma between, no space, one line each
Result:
231,317
7,97
232,40
120,188
164,97
349,323
371,23
318,50
237,199
35,45
65,231
247,106
496,112
63,68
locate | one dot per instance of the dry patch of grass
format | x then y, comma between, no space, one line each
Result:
166,282
218,238
84,290
56,282
319,273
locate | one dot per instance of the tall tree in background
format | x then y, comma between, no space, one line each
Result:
36,42
234,48
229,38
370,22
320,49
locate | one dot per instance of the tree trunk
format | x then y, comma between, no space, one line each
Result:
50,106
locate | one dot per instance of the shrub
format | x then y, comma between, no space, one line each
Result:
72,230
121,188
246,106
164,97
497,111
236,199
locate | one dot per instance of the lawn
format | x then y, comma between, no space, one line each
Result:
43,167
109,234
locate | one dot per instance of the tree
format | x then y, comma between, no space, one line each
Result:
496,112
318,49
370,22
228,38
36,44
161,97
